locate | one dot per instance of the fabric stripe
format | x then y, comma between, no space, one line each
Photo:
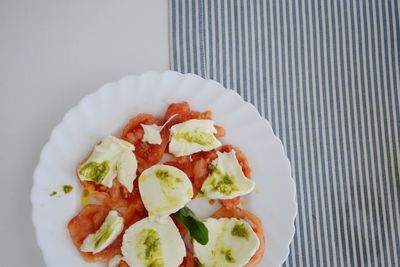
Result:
326,133
351,103
326,75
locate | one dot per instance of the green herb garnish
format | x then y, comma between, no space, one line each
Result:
198,231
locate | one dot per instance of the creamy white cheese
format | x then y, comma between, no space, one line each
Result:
226,179
193,136
126,168
152,134
110,158
105,235
164,189
114,262
153,243
232,242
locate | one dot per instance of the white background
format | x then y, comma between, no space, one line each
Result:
52,53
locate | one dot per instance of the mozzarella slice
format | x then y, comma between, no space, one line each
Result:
193,136
232,242
105,235
153,243
152,134
114,262
164,189
226,179
110,158
126,168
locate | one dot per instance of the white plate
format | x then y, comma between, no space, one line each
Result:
107,110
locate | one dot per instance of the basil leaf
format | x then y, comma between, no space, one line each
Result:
198,231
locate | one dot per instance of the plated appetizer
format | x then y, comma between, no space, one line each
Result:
136,187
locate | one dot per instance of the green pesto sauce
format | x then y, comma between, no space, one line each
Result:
196,136
223,182
52,194
221,254
162,174
102,235
95,171
67,188
148,248
228,255
240,230
166,179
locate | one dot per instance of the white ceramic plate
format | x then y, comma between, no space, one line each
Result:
107,110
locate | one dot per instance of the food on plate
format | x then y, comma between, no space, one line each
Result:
255,224
134,209
67,188
112,158
150,242
197,229
226,180
152,132
109,231
232,243
164,189
115,261
193,136
87,222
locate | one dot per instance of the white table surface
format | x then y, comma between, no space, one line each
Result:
52,53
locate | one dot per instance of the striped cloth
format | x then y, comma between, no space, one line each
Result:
326,75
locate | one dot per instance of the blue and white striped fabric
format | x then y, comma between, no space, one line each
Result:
326,75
